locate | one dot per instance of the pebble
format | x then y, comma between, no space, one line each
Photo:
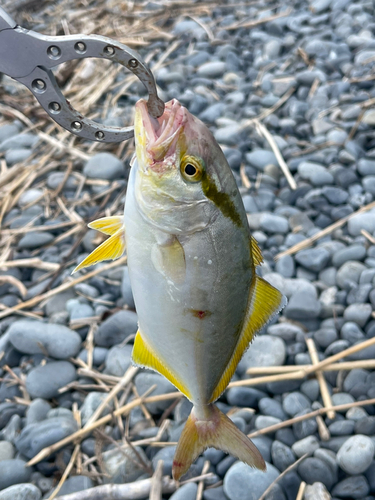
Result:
349,273
92,401
45,381
35,239
271,223
212,69
116,328
13,472
6,451
21,491
266,350
316,491
122,465
314,259
118,360
242,482
186,492
34,337
356,454
74,484
282,456
145,380
35,437
104,166
317,174
306,445
314,470
260,158
358,313
355,487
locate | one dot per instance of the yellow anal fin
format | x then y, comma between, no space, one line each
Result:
107,225
144,356
217,430
256,252
264,302
110,249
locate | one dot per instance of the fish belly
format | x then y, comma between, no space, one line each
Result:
191,324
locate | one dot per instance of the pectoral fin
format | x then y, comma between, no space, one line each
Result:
264,302
107,225
169,260
144,356
111,249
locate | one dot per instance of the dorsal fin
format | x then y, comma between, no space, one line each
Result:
144,357
264,302
256,252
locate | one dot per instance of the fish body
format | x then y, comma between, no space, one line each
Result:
191,261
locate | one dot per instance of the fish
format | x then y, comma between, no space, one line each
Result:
192,265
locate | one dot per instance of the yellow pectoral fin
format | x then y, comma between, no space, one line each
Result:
111,249
107,225
144,356
264,302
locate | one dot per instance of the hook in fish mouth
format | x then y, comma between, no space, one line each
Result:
159,136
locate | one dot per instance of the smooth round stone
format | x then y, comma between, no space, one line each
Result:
362,221
356,454
45,381
356,413
260,158
215,494
355,487
272,407
37,411
98,358
34,337
264,421
123,465
104,166
358,313
186,492
13,472
353,252
294,403
6,451
118,360
92,401
306,427
74,484
351,332
365,426
368,183
116,328
29,196
316,491
9,130
341,428
306,445
265,350
244,396
349,273
271,223
212,69
366,166
18,155
314,259
314,470
35,437
325,336
242,482
286,331
315,173
355,377
23,491
310,388
282,456
342,398
35,239
285,266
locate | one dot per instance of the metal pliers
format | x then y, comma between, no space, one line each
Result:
28,57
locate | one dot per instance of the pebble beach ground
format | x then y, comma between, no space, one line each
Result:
289,93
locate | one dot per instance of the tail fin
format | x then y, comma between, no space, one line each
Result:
216,430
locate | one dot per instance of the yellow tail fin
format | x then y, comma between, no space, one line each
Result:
213,429
112,248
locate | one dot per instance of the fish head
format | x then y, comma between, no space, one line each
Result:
184,178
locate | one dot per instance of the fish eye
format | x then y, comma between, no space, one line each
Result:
191,168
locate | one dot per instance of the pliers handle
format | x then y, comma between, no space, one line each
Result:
28,57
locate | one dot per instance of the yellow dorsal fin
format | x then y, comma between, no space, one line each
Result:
144,356
264,302
256,252
108,225
110,249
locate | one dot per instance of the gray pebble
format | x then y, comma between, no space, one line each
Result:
37,411
241,481
272,407
306,445
116,328
34,337
104,166
21,491
6,450
92,401
366,166
295,402
341,428
35,239
118,360
353,252
314,470
316,491
35,437
358,313
186,492
45,381
266,350
260,158
349,273
212,69
286,331
123,465
282,456
355,487
74,484
145,380
271,223
356,454
362,221
314,259
13,472
315,173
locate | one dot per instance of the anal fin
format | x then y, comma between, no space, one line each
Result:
108,225
264,302
256,252
144,356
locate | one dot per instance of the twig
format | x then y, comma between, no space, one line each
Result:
301,491
271,141
67,471
288,469
320,377
328,230
156,485
334,367
258,22
200,489
367,235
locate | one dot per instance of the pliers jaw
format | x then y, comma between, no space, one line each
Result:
28,57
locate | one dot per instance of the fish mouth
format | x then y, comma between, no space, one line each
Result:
158,137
